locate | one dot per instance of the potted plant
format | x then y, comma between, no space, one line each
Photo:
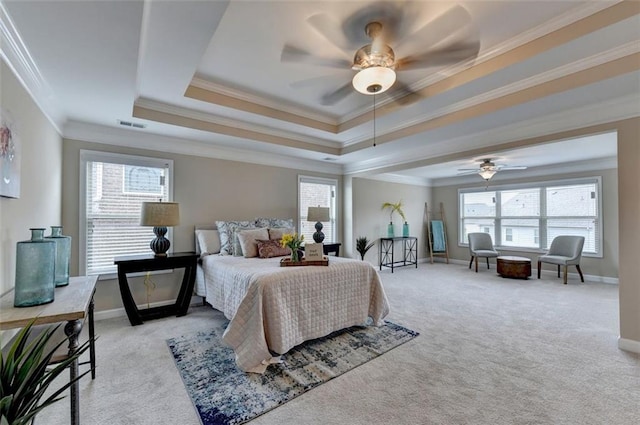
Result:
25,375
363,245
397,207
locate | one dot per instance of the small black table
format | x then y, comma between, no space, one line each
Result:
149,262
409,252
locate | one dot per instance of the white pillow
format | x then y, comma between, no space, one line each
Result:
208,241
277,232
248,241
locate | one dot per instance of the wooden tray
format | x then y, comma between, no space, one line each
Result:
286,262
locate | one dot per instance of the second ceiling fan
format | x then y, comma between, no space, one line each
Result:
488,169
376,63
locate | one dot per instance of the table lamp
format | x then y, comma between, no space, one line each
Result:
318,214
160,215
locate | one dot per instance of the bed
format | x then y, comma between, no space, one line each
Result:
272,309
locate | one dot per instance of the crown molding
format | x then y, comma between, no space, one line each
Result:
573,119
19,60
208,85
397,178
142,139
192,114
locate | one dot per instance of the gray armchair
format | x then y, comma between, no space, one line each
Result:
564,251
481,245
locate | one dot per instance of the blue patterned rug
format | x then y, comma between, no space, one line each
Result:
224,395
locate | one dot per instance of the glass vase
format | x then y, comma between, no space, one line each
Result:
35,270
390,230
295,255
405,229
63,254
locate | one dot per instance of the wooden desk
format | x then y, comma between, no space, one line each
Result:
409,252
73,303
149,262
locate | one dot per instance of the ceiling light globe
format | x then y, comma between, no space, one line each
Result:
374,80
487,174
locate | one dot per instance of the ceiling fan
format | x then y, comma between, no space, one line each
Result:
488,169
376,63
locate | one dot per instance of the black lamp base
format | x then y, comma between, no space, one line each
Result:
318,236
160,245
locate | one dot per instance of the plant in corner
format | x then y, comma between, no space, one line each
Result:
363,245
397,207
25,375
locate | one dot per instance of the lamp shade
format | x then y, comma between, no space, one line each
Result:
318,214
160,214
374,80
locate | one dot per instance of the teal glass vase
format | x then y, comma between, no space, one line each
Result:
63,254
35,270
390,230
405,229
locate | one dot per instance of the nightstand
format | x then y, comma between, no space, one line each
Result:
150,262
330,248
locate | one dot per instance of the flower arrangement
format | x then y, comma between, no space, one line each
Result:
293,241
397,207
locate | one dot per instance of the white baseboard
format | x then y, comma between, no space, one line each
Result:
629,345
534,271
120,312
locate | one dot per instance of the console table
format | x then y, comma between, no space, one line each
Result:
72,303
150,262
409,252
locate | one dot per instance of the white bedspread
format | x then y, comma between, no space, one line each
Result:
273,308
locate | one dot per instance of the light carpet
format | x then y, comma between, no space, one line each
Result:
491,351
224,395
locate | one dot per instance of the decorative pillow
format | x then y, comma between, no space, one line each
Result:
274,222
208,241
277,232
226,229
248,241
271,248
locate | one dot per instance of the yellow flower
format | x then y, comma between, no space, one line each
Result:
292,240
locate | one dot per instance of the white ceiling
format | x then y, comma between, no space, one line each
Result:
206,78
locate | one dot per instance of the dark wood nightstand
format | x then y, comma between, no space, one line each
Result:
149,262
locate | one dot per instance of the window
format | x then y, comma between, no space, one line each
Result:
531,216
314,192
112,189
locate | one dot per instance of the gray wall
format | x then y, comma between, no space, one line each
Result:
40,174
606,266
207,189
369,220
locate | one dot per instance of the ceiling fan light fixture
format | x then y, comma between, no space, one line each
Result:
487,174
374,80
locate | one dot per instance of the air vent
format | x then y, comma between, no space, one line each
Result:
131,124
329,159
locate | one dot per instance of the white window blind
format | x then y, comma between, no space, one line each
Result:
113,188
317,192
532,215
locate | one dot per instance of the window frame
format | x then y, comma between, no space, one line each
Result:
333,208
542,229
116,158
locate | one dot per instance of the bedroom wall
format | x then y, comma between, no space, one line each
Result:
40,174
369,220
207,189
605,267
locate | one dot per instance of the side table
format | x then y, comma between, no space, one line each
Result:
149,262
514,267
74,304
409,252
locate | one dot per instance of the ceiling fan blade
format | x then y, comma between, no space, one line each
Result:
403,94
513,167
323,80
467,172
445,56
446,25
337,95
297,55
331,30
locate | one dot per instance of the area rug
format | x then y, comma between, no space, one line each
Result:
224,395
